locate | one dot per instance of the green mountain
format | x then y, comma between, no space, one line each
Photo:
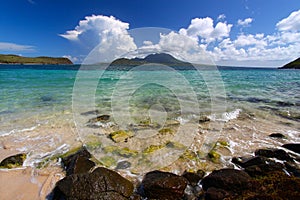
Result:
292,65
15,59
158,58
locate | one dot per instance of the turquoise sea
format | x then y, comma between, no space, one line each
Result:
247,100
41,89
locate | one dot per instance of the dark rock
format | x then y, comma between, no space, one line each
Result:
274,153
295,147
216,194
248,161
292,168
277,135
135,197
13,161
193,178
101,118
227,179
162,185
264,169
102,183
79,165
92,112
123,165
204,119
78,162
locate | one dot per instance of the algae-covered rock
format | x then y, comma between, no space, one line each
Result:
223,143
126,152
13,161
93,144
214,156
152,148
110,149
101,118
108,161
166,131
175,145
189,155
120,136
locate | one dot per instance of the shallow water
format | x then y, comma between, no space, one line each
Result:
47,104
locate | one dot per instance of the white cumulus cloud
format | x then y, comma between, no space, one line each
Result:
204,28
246,22
109,33
291,23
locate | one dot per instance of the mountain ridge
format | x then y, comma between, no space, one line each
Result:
157,58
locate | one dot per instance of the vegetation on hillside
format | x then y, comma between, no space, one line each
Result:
15,59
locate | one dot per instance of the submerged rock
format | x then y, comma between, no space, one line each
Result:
120,136
13,161
102,183
123,165
101,118
295,147
162,185
277,135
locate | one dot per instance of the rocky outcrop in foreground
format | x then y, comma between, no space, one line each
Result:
269,174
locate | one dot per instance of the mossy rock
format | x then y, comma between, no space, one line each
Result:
189,155
53,158
152,148
172,123
108,161
110,149
166,131
120,136
126,152
175,145
93,145
223,143
214,156
13,161
146,122
70,152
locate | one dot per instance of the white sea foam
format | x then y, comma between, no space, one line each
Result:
35,157
225,117
18,131
294,136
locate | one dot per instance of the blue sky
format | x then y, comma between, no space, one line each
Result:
232,32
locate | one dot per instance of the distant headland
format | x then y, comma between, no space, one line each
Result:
42,60
292,65
158,58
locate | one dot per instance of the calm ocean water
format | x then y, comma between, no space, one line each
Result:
40,90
